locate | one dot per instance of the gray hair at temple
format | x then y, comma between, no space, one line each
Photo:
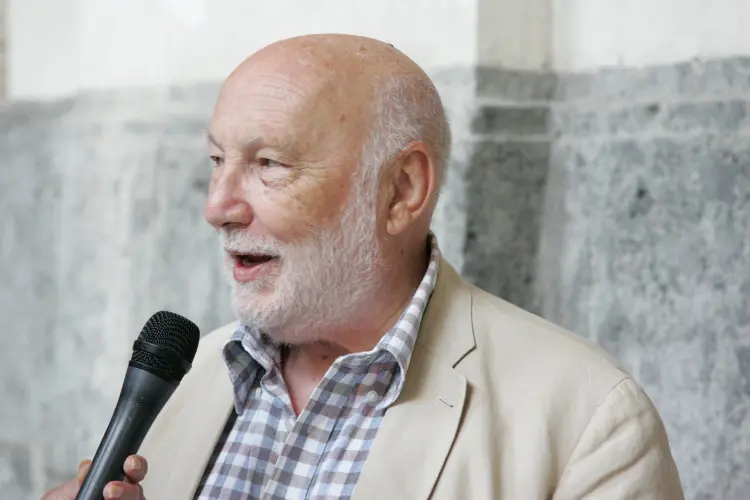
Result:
407,107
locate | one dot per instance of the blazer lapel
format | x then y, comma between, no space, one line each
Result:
417,432
204,421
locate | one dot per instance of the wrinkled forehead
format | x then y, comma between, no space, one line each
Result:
307,112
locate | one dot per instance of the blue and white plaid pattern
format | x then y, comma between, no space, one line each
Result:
267,452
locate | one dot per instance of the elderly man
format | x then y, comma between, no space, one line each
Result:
362,365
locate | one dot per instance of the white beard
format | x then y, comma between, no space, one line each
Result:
324,280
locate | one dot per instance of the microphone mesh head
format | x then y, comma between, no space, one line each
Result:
171,332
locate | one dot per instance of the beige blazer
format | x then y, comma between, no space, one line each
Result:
498,404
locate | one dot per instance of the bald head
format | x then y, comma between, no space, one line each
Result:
331,57
373,94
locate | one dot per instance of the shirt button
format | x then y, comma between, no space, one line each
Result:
372,396
289,424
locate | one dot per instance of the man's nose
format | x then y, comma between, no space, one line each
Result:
227,202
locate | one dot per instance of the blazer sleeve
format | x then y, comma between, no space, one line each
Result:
623,453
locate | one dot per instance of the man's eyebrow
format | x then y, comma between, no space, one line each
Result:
256,143
213,140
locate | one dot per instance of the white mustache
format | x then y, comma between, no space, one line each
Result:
241,242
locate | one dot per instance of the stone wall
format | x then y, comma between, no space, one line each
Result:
101,199
617,204
614,203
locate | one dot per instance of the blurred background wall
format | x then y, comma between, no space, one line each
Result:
601,178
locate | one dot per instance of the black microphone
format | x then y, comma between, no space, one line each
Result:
162,355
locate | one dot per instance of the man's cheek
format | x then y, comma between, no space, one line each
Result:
284,219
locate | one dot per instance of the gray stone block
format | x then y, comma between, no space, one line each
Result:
574,121
515,85
631,119
457,91
719,77
705,116
504,216
512,120
708,116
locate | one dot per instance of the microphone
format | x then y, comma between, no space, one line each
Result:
162,355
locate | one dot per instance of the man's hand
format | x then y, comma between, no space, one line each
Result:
135,469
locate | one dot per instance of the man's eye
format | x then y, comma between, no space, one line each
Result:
217,160
266,163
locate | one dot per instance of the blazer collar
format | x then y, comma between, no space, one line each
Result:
447,329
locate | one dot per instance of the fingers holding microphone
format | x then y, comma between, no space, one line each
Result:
135,469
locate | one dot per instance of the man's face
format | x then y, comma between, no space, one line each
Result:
297,220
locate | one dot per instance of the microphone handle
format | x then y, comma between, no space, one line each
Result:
142,397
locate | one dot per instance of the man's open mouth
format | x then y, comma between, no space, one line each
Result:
251,259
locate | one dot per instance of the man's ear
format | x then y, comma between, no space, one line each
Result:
412,187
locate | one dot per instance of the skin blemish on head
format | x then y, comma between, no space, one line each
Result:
342,118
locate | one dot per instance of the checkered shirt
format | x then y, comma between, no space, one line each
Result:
268,452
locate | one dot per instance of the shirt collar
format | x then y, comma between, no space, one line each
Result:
399,341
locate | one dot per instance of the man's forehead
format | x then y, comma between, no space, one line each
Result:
292,127
276,102
289,82
311,87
